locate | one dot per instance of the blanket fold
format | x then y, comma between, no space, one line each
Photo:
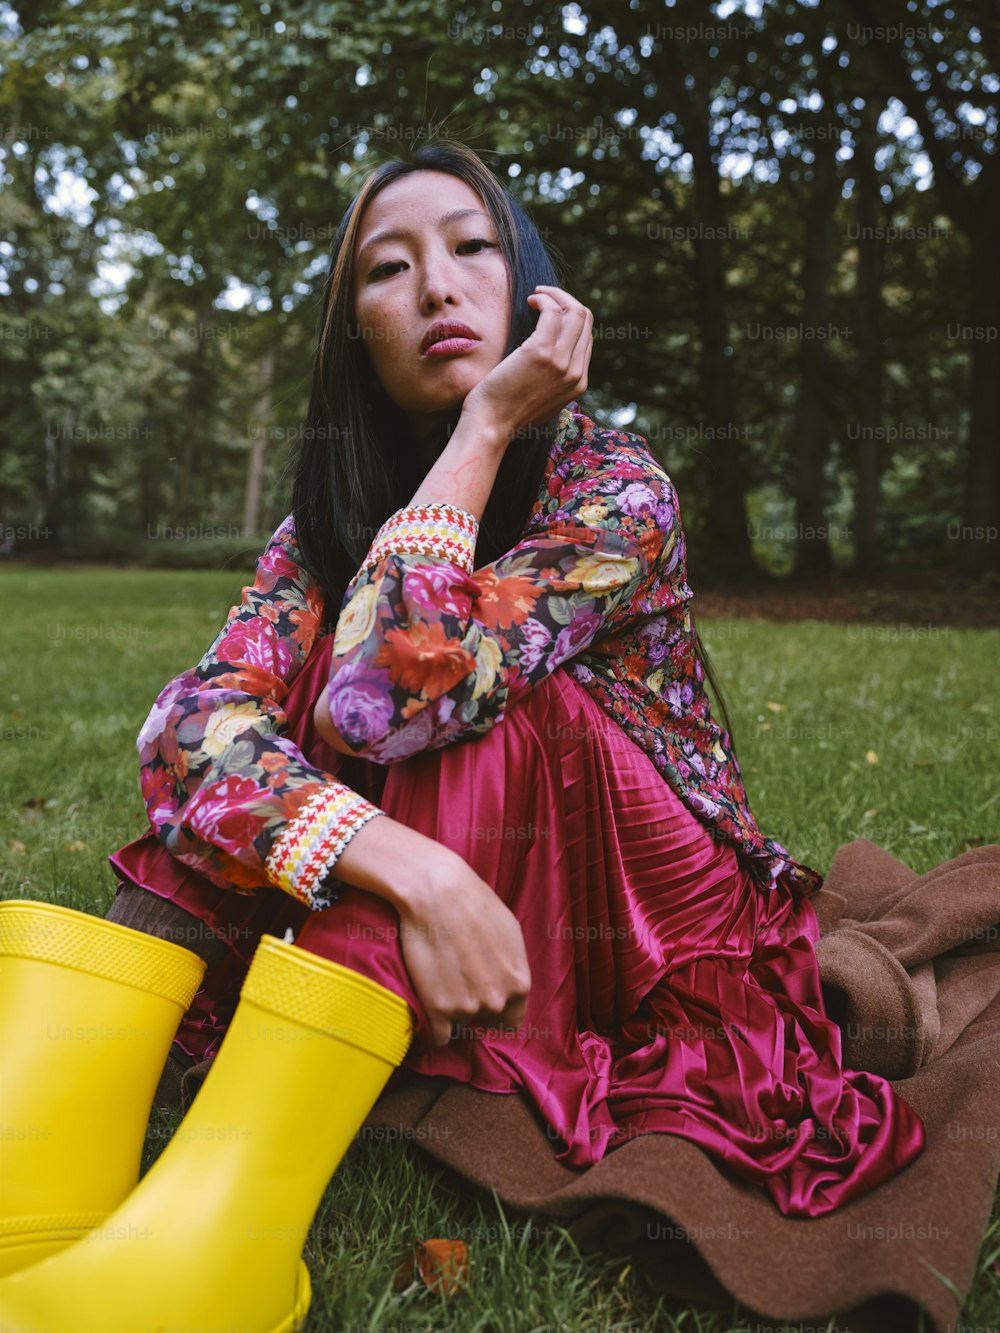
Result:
910,967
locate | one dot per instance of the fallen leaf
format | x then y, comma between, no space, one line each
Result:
775,708
18,848
869,814
764,726
76,846
443,1264
871,757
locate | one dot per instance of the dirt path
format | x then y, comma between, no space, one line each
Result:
897,598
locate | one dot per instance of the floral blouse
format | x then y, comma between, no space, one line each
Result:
428,649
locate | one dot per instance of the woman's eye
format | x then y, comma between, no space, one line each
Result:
382,269
477,243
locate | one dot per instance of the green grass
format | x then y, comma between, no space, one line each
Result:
86,651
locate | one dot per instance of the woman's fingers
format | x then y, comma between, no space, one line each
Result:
582,351
564,332
550,313
574,327
541,375
466,958
449,1028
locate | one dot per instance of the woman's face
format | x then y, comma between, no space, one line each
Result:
441,262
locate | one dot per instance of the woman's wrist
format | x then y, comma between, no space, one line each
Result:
464,472
393,861
481,436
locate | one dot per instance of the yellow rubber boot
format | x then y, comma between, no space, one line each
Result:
211,1238
88,1010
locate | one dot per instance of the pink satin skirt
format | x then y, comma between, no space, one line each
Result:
670,994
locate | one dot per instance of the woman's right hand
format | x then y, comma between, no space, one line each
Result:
465,953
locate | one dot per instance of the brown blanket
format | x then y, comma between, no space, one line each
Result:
911,972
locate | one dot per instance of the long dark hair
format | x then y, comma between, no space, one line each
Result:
348,476
357,460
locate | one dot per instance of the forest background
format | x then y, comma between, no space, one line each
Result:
783,215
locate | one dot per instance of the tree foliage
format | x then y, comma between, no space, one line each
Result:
784,217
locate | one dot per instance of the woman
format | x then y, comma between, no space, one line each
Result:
456,736
684,942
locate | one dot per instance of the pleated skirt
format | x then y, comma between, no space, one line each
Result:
670,992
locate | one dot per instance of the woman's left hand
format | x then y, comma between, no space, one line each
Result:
540,377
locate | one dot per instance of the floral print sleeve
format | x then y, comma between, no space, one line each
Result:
227,793
428,649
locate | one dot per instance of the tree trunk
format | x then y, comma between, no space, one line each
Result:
729,552
151,469
57,448
810,432
197,390
258,444
980,547
972,206
867,416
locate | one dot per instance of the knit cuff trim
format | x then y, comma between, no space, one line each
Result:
311,842
437,529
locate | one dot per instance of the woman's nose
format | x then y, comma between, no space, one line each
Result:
435,296
439,286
